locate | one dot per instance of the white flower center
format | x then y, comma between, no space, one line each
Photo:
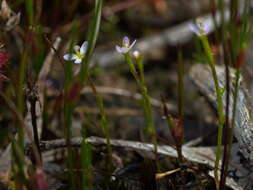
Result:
201,25
79,55
125,45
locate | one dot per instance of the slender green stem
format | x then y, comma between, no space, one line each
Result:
146,104
104,126
70,104
68,111
86,165
19,146
221,116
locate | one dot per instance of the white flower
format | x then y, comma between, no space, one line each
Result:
125,45
200,28
78,55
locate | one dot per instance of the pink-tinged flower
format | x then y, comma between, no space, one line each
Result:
136,54
200,27
126,47
78,55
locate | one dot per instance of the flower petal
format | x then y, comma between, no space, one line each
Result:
194,28
132,45
69,57
124,50
206,27
126,41
78,61
84,47
118,49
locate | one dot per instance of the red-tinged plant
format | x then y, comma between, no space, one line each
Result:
40,180
178,131
72,94
240,59
4,57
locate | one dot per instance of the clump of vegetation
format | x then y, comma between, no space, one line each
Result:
108,116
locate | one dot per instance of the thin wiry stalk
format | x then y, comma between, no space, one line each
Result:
218,90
